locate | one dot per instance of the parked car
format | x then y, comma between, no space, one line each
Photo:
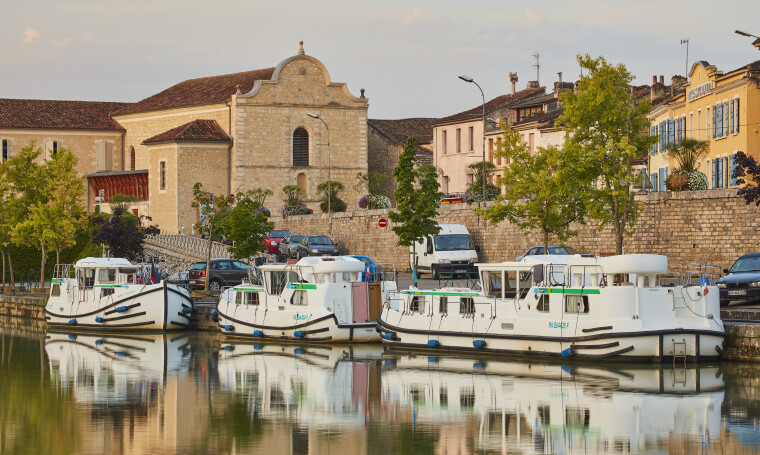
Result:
371,270
224,272
273,239
289,244
742,280
315,245
551,249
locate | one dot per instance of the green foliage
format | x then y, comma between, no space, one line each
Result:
697,180
372,182
331,189
246,224
482,170
542,192
122,202
122,232
293,203
604,138
213,214
417,197
687,152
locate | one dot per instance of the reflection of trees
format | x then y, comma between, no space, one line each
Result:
742,391
385,437
34,417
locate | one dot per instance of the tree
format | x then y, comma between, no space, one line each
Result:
122,232
605,136
246,224
122,202
417,196
55,217
747,172
475,192
330,189
213,214
25,180
5,222
372,182
541,191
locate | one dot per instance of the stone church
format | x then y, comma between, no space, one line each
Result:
266,128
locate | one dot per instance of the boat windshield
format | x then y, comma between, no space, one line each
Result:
452,242
750,264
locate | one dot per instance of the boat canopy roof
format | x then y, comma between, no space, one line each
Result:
321,264
93,263
624,263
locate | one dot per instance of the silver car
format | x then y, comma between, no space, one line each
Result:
289,245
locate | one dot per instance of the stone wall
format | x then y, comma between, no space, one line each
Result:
709,227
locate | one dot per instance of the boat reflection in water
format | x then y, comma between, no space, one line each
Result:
553,408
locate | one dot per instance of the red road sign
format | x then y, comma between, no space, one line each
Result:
382,222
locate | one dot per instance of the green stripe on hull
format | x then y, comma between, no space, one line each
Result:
565,291
466,294
301,286
250,289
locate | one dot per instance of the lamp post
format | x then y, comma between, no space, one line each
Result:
329,172
755,43
483,168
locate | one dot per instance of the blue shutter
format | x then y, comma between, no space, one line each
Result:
737,122
653,181
662,179
715,121
652,132
671,131
715,173
733,166
663,135
725,118
678,130
731,118
721,172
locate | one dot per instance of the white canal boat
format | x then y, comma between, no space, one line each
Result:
568,306
112,294
317,299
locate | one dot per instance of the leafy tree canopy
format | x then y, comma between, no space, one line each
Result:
247,224
122,232
747,172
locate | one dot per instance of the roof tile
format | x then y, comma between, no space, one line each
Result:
59,115
195,131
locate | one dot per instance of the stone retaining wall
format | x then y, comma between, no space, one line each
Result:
708,227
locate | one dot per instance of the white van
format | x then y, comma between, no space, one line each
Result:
450,252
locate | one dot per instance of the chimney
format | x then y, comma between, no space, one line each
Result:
654,79
533,84
677,83
658,89
662,79
513,80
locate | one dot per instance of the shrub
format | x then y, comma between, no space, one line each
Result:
697,180
676,181
294,209
374,201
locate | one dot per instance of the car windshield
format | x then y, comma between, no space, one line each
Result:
750,264
198,266
278,234
295,238
320,240
452,242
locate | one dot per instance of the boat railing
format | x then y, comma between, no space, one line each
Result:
385,272
692,274
63,271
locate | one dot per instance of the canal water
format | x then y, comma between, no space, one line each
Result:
194,393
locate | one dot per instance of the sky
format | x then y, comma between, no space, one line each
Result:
405,54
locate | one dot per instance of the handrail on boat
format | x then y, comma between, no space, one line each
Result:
692,274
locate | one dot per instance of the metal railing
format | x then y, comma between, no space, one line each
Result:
188,244
689,275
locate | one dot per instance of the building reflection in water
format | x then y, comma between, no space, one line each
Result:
185,394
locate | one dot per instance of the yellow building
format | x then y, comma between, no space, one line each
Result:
723,109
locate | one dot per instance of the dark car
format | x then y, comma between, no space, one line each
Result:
315,245
552,249
289,244
371,270
742,280
224,272
273,239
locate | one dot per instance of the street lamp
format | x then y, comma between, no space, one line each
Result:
483,169
329,173
755,43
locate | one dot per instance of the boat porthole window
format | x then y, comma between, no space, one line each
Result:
466,305
55,291
576,304
443,305
104,292
417,305
299,298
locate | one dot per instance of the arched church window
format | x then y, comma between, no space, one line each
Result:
132,157
300,147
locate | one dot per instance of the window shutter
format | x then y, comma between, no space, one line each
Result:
663,135
733,166
662,179
653,181
300,147
671,131
736,122
715,173
678,130
652,132
725,118
715,121
731,118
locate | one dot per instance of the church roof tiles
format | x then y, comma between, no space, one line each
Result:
59,115
195,131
